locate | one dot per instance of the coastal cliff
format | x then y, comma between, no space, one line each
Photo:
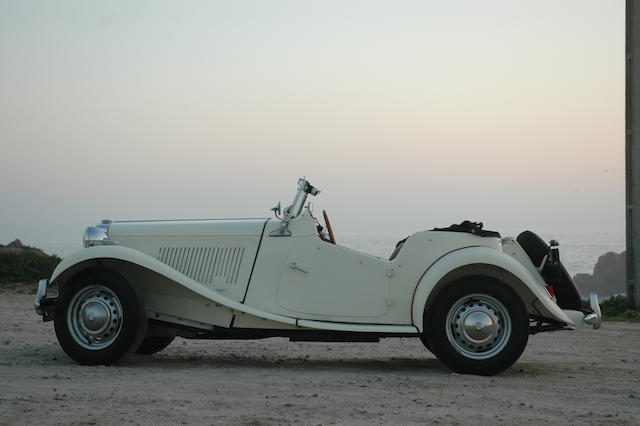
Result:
608,277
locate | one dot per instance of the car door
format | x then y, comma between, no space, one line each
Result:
321,280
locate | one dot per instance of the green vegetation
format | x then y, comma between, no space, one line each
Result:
617,308
26,266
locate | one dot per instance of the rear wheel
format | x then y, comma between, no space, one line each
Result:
477,326
153,344
99,318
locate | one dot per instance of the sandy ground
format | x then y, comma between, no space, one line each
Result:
576,377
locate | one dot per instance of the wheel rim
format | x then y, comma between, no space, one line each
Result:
478,326
95,317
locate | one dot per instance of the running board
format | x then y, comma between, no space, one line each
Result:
363,328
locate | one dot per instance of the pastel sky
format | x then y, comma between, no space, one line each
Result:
406,114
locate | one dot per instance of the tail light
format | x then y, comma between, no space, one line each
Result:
550,290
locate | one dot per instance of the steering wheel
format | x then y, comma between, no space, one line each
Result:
332,238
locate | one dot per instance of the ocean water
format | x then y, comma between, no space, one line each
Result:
579,249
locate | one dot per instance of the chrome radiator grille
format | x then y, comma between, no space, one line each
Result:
205,264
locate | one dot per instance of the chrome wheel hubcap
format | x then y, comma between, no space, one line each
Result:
478,326
94,317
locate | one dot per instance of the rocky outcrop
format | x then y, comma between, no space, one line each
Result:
608,278
16,246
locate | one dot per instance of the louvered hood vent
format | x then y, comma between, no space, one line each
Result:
205,265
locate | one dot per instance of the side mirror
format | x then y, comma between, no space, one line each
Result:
310,189
277,210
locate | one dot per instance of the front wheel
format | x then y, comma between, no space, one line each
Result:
99,318
477,326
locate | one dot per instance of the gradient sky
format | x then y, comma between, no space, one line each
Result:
406,114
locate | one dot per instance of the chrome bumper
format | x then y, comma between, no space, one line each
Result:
595,317
581,318
42,304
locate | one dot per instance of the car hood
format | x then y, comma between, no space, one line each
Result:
238,227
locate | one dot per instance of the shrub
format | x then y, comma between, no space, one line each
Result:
26,266
616,308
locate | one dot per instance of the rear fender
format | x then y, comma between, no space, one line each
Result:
484,261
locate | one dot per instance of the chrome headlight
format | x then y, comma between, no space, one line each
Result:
97,235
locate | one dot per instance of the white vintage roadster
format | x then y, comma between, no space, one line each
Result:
471,296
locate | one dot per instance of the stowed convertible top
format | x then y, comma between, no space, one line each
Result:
469,227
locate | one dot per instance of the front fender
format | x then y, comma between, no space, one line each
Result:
479,259
92,255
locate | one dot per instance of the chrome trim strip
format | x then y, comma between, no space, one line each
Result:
365,328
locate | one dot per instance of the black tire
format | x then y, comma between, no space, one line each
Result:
425,342
153,344
99,318
477,299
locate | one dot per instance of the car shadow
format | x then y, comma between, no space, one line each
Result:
429,364
190,359
257,361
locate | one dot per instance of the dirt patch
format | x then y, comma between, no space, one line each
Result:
17,288
577,377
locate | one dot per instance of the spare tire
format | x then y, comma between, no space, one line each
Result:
534,246
565,289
